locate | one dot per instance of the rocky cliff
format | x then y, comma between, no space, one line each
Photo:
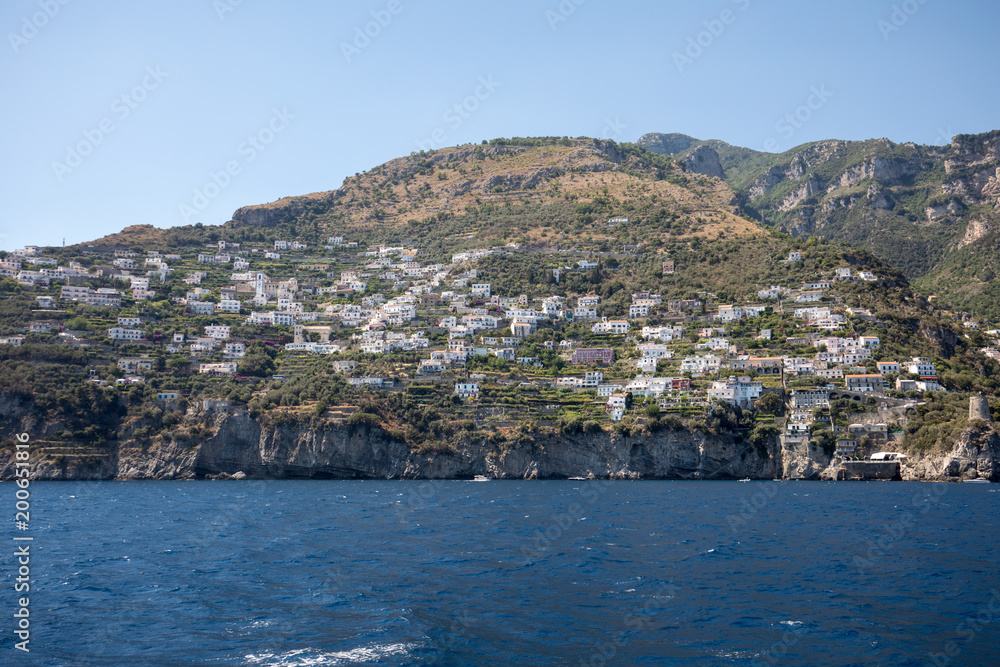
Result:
976,455
932,211
704,160
237,443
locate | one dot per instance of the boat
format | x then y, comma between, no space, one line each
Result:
480,478
745,479
976,481
577,479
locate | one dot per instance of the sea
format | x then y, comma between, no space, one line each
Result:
302,573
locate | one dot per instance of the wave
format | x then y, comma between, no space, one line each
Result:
309,657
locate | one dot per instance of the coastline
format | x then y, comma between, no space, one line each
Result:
239,446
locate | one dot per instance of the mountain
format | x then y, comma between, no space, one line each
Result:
331,334
931,211
539,192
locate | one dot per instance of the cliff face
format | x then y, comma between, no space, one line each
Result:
976,455
238,443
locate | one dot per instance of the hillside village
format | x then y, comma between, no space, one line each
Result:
222,325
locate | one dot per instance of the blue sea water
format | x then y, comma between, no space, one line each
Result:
508,572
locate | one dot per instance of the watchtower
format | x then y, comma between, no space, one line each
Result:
979,408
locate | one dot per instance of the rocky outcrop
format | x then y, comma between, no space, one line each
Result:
937,211
804,462
976,455
883,170
268,215
975,230
800,194
704,160
878,198
667,144
766,182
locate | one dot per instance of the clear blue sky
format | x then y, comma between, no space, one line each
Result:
183,85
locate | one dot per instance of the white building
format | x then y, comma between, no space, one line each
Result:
741,391
229,305
201,307
120,333
467,390
217,331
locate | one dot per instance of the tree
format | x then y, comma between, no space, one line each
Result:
770,403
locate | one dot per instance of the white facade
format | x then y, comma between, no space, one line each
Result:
120,333
467,390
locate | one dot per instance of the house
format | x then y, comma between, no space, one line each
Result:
201,307
923,367
886,367
618,327
870,342
668,267
655,350
522,329
481,290
223,368
729,313
616,402
593,355
121,333
810,398
701,365
741,391
638,310
218,332
229,305
467,390
505,353
663,334
431,367
794,256
235,350
135,364
15,341
846,447
762,365
868,383
811,295
647,364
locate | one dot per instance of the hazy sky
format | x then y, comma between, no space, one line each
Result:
168,113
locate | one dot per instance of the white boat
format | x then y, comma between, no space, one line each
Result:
746,479
577,479
976,481
480,478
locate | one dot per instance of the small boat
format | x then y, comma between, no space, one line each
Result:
745,479
577,479
976,481
480,478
